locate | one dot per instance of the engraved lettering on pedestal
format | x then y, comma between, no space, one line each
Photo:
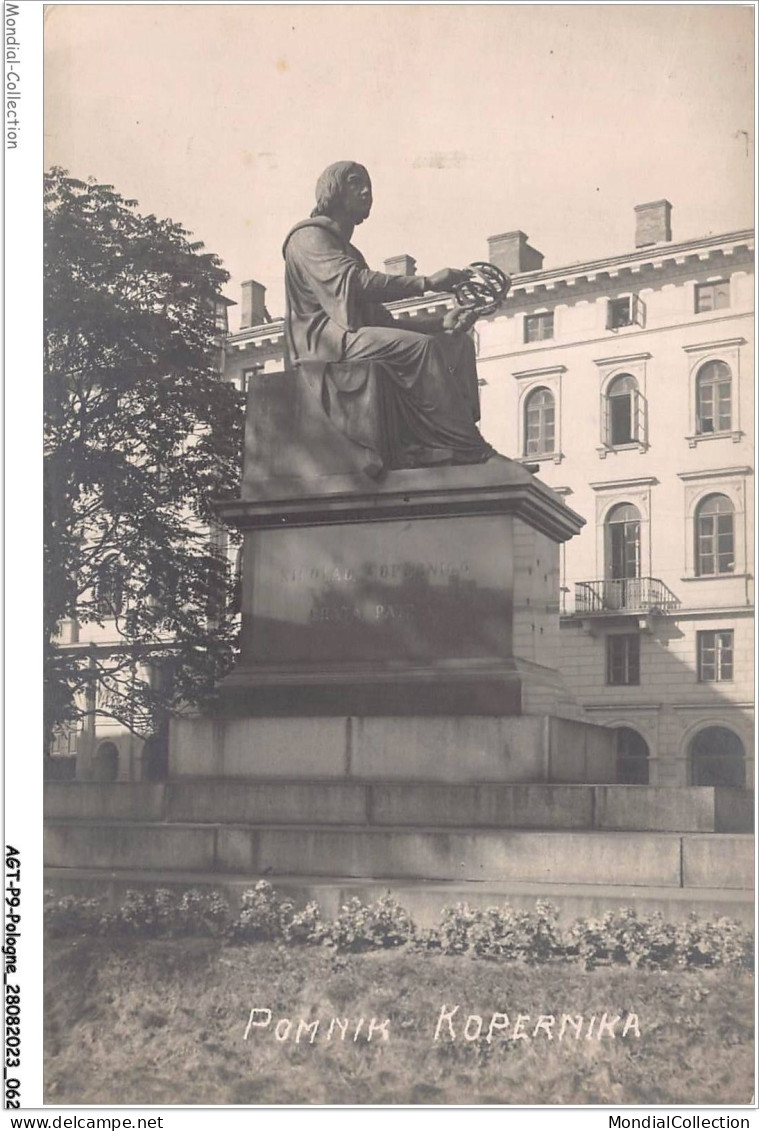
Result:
394,612
385,570
320,581
335,614
334,575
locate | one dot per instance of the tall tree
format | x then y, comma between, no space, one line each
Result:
141,434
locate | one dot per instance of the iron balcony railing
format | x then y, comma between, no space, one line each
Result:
624,595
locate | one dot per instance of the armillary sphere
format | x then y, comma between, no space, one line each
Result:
484,290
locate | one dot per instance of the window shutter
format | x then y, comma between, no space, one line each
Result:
724,405
609,315
604,414
638,311
639,417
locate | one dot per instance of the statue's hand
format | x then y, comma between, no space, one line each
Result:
447,279
460,318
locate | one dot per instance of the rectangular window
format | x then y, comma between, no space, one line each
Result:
715,548
624,549
623,659
621,419
724,413
714,409
712,296
619,313
715,656
65,739
540,435
538,327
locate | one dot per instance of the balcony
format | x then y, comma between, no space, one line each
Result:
628,596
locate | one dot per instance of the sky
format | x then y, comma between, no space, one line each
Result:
472,120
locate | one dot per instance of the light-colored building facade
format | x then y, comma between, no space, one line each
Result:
628,382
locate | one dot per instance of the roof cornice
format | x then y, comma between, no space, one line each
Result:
652,256
641,257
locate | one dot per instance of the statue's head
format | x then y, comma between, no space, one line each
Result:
344,187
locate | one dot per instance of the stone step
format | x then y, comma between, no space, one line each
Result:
690,860
425,901
411,803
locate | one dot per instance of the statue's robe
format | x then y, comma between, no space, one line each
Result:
428,391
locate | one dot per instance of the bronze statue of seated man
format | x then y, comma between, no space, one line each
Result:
425,405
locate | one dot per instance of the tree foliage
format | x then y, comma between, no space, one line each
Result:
141,434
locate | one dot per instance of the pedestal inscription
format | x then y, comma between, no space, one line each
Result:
407,591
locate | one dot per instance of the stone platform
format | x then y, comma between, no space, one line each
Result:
458,748
579,845
487,805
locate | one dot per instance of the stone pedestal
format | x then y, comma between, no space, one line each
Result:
414,594
442,748
430,592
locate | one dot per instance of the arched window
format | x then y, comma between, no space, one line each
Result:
107,762
622,551
715,536
716,757
713,398
622,410
632,757
623,541
539,423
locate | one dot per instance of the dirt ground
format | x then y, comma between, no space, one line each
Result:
170,1022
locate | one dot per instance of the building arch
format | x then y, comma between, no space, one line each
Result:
531,382
617,501
698,488
635,493
714,534
539,422
633,755
714,397
706,360
621,410
107,762
716,755
622,549
623,420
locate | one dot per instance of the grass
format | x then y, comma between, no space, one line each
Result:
163,1021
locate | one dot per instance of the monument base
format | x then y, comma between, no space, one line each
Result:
464,748
497,688
587,848
433,593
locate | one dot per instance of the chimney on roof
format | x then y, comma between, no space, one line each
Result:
400,265
511,252
253,308
653,223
